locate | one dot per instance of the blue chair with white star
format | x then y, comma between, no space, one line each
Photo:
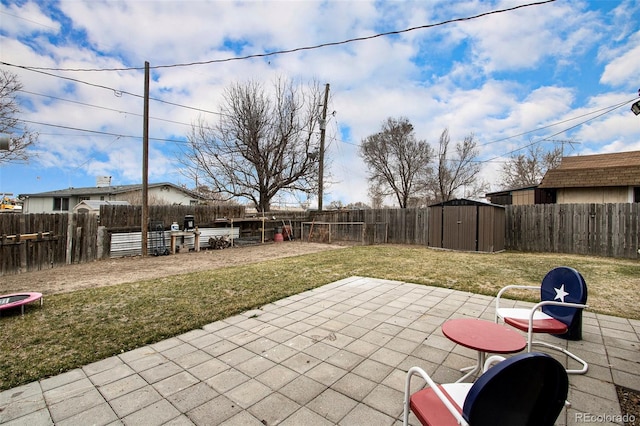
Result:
525,389
563,296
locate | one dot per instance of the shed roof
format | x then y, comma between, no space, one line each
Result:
588,171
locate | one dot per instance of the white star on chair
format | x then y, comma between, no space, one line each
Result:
560,293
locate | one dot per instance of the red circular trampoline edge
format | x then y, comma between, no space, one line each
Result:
31,297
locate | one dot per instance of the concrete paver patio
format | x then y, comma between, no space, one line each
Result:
337,354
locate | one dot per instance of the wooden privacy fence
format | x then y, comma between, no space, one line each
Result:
113,217
394,226
329,232
610,230
30,242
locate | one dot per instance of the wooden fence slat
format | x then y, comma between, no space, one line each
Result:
597,229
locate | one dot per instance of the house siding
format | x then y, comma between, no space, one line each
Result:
158,194
45,205
619,194
519,198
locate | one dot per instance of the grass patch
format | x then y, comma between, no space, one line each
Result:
75,329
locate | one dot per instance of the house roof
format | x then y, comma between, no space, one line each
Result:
587,171
104,190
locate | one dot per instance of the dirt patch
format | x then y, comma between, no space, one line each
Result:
629,405
130,269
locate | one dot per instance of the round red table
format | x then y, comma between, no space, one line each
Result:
483,336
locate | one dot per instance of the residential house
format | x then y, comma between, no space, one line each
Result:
600,178
64,200
520,196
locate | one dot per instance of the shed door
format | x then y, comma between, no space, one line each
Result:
435,227
459,228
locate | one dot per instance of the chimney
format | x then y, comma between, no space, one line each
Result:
103,181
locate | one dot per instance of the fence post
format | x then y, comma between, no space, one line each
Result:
100,243
78,239
70,233
23,245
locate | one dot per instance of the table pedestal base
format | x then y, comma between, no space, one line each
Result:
474,368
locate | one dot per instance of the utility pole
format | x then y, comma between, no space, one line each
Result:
323,130
5,142
144,225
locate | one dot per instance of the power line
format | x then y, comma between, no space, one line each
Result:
67,135
300,49
608,110
89,158
602,111
116,92
29,20
102,107
558,123
119,92
98,132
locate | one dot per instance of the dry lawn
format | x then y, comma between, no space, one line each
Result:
120,305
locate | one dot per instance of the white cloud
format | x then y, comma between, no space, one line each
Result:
623,69
26,19
522,39
496,76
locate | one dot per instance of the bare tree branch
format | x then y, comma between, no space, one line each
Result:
454,173
397,162
528,169
20,135
263,143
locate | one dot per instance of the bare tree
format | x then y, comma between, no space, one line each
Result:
397,161
456,171
210,197
376,196
135,199
358,205
335,205
20,135
528,169
262,144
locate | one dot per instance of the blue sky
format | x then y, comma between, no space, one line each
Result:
543,71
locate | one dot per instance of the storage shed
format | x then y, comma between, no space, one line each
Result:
467,225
